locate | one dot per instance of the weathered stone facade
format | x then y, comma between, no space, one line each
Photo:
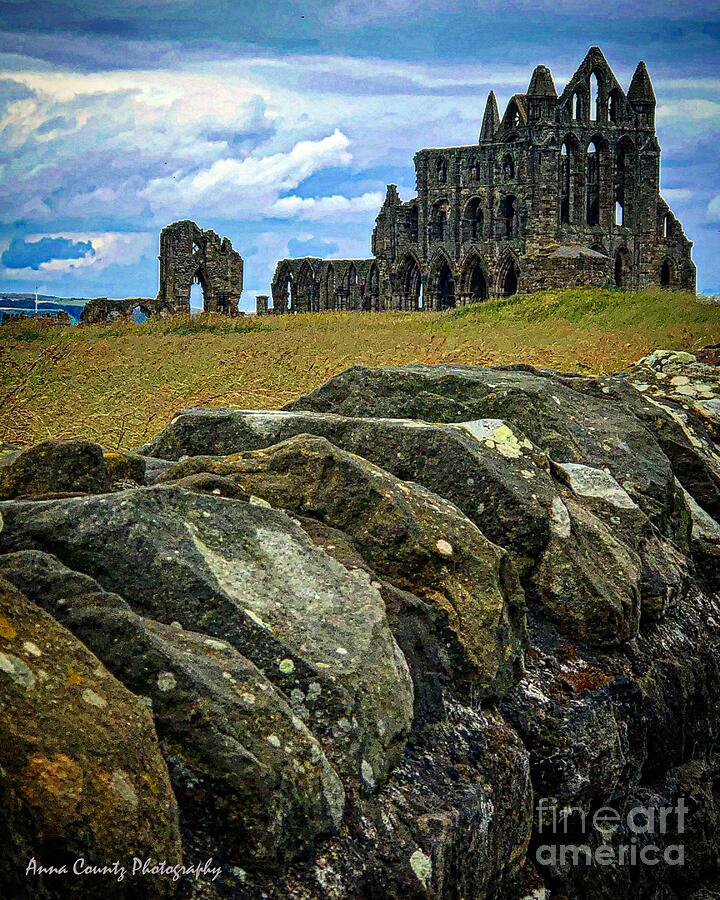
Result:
561,191
107,309
188,254
311,284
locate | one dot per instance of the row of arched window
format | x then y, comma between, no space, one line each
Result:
472,223
590,104
309,290
446,285
473,171
581,175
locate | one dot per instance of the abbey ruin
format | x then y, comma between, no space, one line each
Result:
561,191
188,255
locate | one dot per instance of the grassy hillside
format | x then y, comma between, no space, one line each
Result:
120,384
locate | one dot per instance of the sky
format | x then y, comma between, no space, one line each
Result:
280,124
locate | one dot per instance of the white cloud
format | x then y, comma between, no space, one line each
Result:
323,208
110,248
251,185
689,110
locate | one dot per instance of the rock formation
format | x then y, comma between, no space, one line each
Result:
408,637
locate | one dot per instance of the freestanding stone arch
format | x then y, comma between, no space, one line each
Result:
188,254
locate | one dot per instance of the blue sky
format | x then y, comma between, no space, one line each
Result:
279,124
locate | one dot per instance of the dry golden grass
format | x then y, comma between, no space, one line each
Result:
120,384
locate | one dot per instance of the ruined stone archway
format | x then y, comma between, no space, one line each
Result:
441,283
411,285
307,289
474,281
508,281
282,289
371,294
188,254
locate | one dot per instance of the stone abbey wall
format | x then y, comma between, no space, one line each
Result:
311,285
188,255
561,191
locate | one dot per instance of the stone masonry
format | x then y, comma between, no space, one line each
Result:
561,191
188,254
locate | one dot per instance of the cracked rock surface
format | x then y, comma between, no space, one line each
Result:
372,645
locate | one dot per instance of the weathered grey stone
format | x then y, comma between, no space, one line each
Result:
251,780
433,651
587,481
606,730
588,580
407,534
54,467
572,426
250,576
455,821
490,471
81,774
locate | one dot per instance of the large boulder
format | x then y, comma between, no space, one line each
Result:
69,466
414,538
248,575
569,425
81,774
455,821
678,399
491,472
251,780
604,730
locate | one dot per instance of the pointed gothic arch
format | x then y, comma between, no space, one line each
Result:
473,220
307,290
329,299
441,283
371,293
593,180
439,221
595,105
508,280
282,289
508,219
624,181
410,287
474,285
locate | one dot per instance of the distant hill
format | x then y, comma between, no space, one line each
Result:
21,302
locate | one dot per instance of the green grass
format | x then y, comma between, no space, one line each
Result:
120,384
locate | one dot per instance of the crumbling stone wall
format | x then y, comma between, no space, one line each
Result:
106,309
561,191
187,255
313,285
